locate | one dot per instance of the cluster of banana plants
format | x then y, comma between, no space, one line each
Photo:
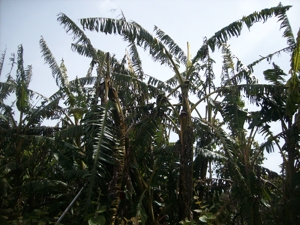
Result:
109,158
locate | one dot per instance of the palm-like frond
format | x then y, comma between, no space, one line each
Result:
232,108
208,154
225,140
100,154
85,49
145,130
43,185
172,82
229,148
137,92
174,49
90,70
22,80
206,86
58,72
269,57
161,86
22,74
235,28
256,92
295,66
267,145
6,88
82,83
275,75
69,132
293,84
133,32
233,69
140,210
228,70
156,48
38,114
7,121
135,61
12,60
287,33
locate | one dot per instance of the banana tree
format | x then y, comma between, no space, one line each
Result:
27,158
130,114
279,101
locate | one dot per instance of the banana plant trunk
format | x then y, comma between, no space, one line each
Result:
120,155
186,157
109,93
289,212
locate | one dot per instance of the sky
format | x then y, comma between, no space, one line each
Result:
25,21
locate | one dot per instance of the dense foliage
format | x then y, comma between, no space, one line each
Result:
108,157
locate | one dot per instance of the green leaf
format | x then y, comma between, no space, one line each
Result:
207,217
99,220
22,81
102,209
203,219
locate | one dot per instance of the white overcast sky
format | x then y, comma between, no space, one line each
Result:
25,21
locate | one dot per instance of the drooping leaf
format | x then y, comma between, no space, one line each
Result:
235,28
275,75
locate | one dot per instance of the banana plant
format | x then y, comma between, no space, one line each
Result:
130,114
280,103
26,156
277,102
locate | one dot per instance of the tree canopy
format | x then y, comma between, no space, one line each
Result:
108,156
